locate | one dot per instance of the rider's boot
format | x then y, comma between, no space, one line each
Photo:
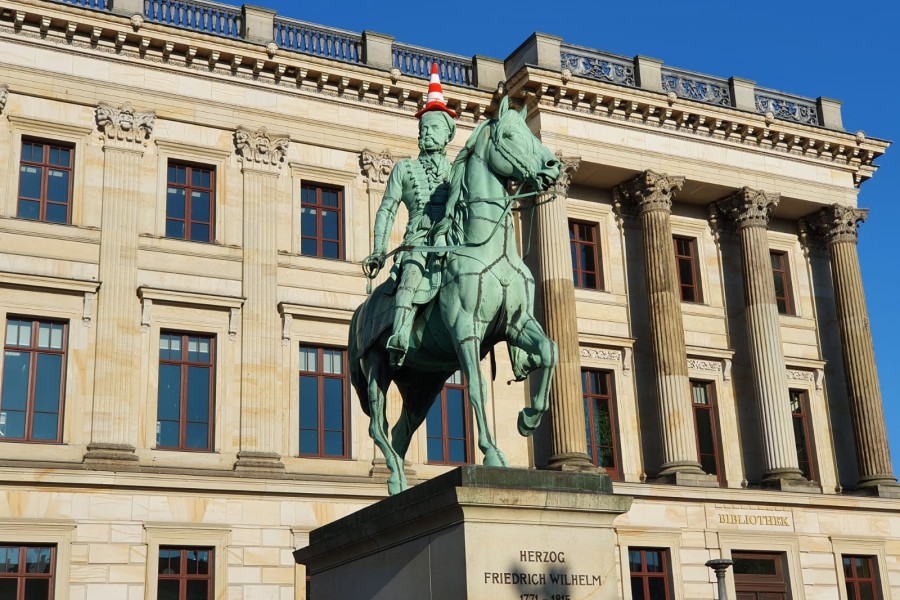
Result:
398,343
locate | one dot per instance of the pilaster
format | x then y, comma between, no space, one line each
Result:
125,133
838,225
749,211
652,194
261,155
567,440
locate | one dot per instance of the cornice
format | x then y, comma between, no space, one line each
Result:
180,50
591,100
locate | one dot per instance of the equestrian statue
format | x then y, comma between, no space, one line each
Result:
458,285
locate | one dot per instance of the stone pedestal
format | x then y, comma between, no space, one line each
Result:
475,533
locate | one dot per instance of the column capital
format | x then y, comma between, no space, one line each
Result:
650,190
748,207
568,166
123,126
260,150
4,94
376,166
837,223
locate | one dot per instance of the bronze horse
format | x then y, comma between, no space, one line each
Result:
486,296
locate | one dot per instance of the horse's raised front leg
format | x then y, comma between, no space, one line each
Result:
468,352
530,337
378,376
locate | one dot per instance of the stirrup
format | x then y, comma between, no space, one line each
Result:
396,350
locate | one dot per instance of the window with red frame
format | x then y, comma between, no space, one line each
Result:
649,569
45,181
707,428
324,415
448,427
782,277
584,241
185,573
185,394
26,572
759,576
321,221
600,420
190,202
802,437
33,387
688,273
859,577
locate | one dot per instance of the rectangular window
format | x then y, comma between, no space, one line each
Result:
26,572
759,576
447,425
324,414
859,576
185,573
190,202
185,394
584,245
707,428
321,221
34,367
688,273
649,573
802,438
781,275
600,420
45,181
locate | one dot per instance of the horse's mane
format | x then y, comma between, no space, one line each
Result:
458,189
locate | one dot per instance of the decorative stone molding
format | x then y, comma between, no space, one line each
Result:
87,310
376,166
286,320
123,124
568,166
650,191
4,94
804,376
837,223
820,379
726,369
748,207
234,319
699,364
146,310
601,354
260,147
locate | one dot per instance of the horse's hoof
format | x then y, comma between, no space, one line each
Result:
529,420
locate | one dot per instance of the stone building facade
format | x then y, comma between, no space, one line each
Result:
189,191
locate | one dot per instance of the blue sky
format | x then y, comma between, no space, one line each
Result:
839,50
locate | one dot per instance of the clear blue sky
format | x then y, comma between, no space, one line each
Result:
843,50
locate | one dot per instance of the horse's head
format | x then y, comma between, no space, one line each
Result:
514,152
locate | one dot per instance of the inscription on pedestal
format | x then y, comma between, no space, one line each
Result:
549,584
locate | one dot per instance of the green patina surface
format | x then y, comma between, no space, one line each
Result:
458,286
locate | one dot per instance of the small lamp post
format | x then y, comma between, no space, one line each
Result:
720,565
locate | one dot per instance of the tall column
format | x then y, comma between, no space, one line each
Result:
568,444
261,156
652,194
838,225
749,210
116,369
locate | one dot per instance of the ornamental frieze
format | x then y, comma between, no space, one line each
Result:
124,124
376,166
748,207
837,223
260,147
714,366
650,191
601,354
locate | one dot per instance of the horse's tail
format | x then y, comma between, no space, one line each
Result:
354,353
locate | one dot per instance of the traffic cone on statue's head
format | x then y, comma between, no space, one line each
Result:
435,100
